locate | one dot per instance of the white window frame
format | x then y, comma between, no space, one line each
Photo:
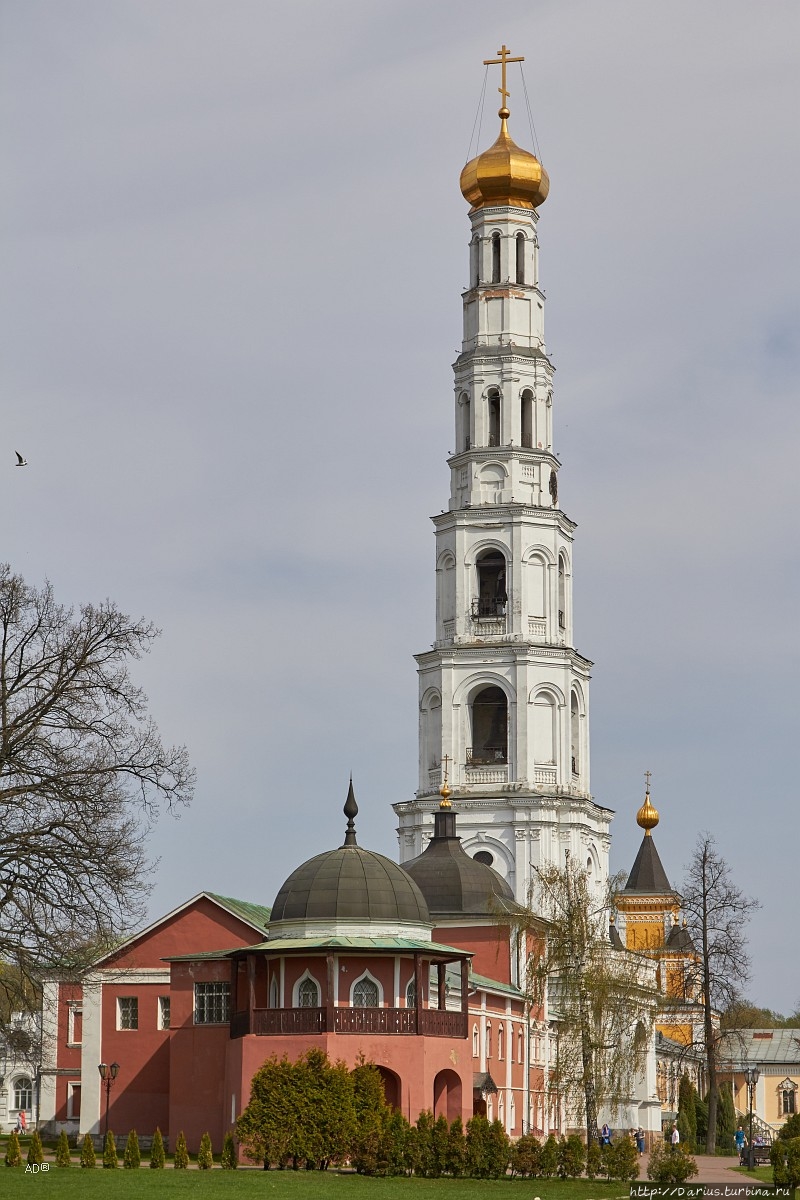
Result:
73,1011
366,976
22,1085
164,1003
134,1000
73,1086
306,977
224,994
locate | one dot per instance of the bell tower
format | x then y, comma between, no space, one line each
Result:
503,693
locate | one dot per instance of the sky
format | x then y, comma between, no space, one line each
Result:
233,247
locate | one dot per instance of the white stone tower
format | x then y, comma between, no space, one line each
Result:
503,693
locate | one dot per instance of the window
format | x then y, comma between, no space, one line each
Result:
483,856
475,1043
273,992
466,432
23,1092
73,1101
495,258
575,735
520,246
163,1012
411,993
307,993
520,1047
489,728
500,1041
494,417
212,1003
492,595
75,1026
127,1012
526,418
488,1039
789,1101
365,993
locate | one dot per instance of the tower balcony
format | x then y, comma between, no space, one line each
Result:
487,764
488,616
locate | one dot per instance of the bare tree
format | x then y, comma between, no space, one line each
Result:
717,912
603,998
83,773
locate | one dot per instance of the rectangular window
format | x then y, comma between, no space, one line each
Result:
788,1102
163,1012
212,1003
127,1012
73,1101
75,1031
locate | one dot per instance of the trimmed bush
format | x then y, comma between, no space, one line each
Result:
205,1155
548,1160
498,1151
62,1150
13,1152
421,1144
88,1157
110,1159
132,1159
36,1149
181,1161
623,1160
456,1157
477,1147
571,1157
229,1160
670,1166
785,1159
157,1156
526,1154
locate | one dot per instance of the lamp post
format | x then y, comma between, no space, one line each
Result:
751,1075
108,1074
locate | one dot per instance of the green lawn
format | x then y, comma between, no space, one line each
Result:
74,1184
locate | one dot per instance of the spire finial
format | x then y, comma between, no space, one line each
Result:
444,790
351,812
647,816
504,58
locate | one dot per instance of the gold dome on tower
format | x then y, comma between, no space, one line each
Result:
647,817
504,174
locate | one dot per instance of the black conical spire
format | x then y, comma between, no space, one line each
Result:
350,811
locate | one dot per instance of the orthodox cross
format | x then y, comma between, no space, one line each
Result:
445,761
647,775
504,58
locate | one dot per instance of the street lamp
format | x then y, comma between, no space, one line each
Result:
108,1074
751,1075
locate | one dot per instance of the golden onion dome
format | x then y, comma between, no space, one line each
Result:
504,175
647,817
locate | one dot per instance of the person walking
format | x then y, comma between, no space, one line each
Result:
675,1138
738,1138
639,1135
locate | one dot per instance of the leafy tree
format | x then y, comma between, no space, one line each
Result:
82,769
670,1166
743,1014
548,1159
498,1151
36,1149
132,1158
687,1113
181,1158
110,1159
63,1158
571,1157
602,995
88,1157
13,1153
157,1156
526,1154
205,1155
456,1153
717,912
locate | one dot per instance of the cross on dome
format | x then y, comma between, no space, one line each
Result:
504,58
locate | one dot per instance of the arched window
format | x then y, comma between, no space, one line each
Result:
495,258
476,1048
475,254
788,1097
501,1110
411,993
492,595
466,413
526,417
562,593
483,856
512,1115
432,730
23,1092
494,417
273,992
489,727
544,729
488,1039
500,1041
307,993
520,245
575,736
365,994
520,1047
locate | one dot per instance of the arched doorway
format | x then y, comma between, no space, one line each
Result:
447,1095
391,1087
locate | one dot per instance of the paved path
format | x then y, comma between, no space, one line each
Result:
711,1170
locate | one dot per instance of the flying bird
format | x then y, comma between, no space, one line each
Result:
21,462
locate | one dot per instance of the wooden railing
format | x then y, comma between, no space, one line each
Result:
269,1022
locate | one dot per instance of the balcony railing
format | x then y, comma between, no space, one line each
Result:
485,756
488,607
271,1022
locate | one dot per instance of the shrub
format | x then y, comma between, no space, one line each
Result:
371,1115
132,1158
790,1129
157,1151
62,1150
36,1149
455,1158
701,1113
422,1144
110,1160
181,1161
726,1119
396,1143
498,1149
548,1159
623,1160
594,1161
670,1166
687,1113
571,1157
13,1153
229,1160
88,1157
526,1156
439,1134
205,1155
477,1147
785,1159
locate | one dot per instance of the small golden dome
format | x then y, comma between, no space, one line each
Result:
504,175
647,816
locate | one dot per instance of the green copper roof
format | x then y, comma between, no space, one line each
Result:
254,914
494,985
276,945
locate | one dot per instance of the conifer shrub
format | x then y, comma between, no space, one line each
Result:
790,1129
571,1157
422,1144
132,1158
157,1157
526,1154
726,1119
13,1153
784,1155
396,1146
181,1160
477,1147
439,1132
205,1155
455,1159
498,1147
110,1159
371,1115
62,1150
670,1166
229,1160
687,1113
88,1156
594,1161
36,1149
622,1160
548,1159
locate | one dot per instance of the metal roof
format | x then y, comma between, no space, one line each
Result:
762,1046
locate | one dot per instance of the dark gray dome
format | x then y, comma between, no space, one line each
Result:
452,882
350,884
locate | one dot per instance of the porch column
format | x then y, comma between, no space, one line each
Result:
331,983
418,991
251,992
465,995
441,971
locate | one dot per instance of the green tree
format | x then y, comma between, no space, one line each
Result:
35,1149
477,1151
157,1156
13,1153
623,1160
371,1117
726,1118
88,1156
594,1161
571,1157
181,1157
228,1159
456,1154
670,1166
205,1155
110,1159
422,1144
790,1128
395,1154
526,1154
132,1158
601,994
63,1158
687,1113
498,1150
82,771
439,1140
785,1159
548,1159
